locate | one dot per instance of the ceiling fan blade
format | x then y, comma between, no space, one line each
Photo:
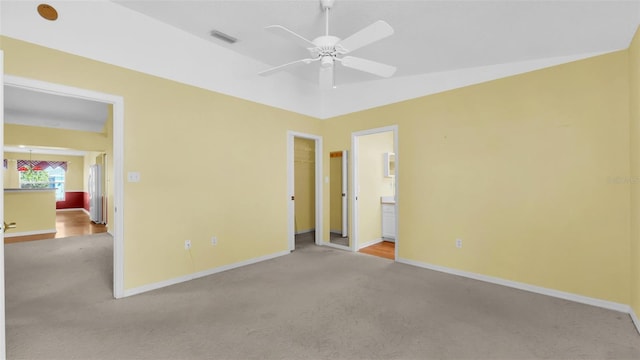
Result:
369,66
326,77
288,34
372,33
276,69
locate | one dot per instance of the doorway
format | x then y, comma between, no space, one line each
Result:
117,106
375,188
338,199
304,188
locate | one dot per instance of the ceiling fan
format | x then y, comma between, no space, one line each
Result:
329,50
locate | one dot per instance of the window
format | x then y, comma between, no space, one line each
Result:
49,177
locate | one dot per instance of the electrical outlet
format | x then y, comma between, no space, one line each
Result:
214,241
459,243
187,244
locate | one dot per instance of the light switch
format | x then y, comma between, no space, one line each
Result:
133,176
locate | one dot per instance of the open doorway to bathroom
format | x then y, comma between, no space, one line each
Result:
375,170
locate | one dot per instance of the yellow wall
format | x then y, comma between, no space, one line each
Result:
335,189
634,179
528,170
31,210
373,184
41,136
210,164
519,169
73,180
305,199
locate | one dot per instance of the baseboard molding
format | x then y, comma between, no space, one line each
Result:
305,231
336,246
161,284
610,305
86,211
369,243
635,319
28,233
71,209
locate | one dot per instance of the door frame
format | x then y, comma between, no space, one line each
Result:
118,159
3,344
355,184
345,193
291,231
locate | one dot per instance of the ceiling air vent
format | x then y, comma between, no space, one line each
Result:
222,36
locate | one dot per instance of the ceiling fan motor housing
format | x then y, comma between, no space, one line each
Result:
325,46
327,4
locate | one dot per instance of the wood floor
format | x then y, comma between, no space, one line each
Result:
385,249
68,223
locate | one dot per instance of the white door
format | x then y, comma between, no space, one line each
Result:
3,353
345,183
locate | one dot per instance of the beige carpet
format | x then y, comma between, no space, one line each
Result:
317,303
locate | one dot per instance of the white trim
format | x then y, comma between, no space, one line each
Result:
71,209
354,182
28,233
369,243
118,158
86,211
634,318
165,283
610,305
291,135
337,246
3,344
305,231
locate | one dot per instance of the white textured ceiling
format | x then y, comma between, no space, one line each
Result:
437,45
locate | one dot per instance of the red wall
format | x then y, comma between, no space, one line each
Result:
73,200
85,200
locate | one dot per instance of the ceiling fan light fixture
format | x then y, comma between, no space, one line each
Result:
222,36
327,61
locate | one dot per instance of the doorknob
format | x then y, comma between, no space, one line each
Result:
9,226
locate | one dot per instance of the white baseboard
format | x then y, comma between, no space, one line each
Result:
369,243
165,283
27,233
336,246
86,212
305,231
634,318
610,305
71,209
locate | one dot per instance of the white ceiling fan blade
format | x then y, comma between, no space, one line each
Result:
372,33
276,69
290,35
326,77
369,66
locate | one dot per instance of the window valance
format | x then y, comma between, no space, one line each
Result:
43,164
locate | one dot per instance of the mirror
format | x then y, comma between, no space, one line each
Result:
389,165
338,186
